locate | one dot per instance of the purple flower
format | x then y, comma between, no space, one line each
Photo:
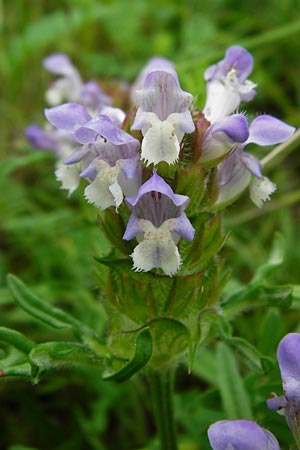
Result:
63,144
227,84
222,137
69,85
240,435
41,139
288,355
163,116
235,172
108,156
92,96
158,222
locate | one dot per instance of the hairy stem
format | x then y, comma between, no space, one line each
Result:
161,385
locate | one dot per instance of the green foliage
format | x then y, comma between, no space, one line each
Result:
235,398
142,354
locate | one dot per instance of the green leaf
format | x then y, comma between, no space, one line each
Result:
204,365
185,296
18,371
257,295
191,181
13,355
53,316
171,339
142,354
208,240
207,324
112,227
136,295
235,398
274,261
247,353
18,340
268,340
60,355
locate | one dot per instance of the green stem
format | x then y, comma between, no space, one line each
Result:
161,384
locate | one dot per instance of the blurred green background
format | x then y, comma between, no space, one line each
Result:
49,240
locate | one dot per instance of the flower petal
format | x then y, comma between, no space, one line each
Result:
267,130
162,95
240,435
288,355
116,115
40,139
223,136
93,97
103,126
156,250
133,228
183,227
77,155
236,58
277,403
261,190
220,101
155,63
233,178
157,184
104,190
59,64
160,143
68,116
252,164
68,176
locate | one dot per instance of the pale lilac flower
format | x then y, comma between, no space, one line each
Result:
158,222
70,87
93,98
108,156
288,355
69,84
234,174
227,84
222,137
113,176
240,435
163,116
62,144
41,139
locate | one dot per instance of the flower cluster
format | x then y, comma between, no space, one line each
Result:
90,140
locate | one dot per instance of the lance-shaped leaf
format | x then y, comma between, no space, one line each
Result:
53,316
60,355
257,295
246,352
12,359
16,339
142,354
22,370
235,399
275,259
